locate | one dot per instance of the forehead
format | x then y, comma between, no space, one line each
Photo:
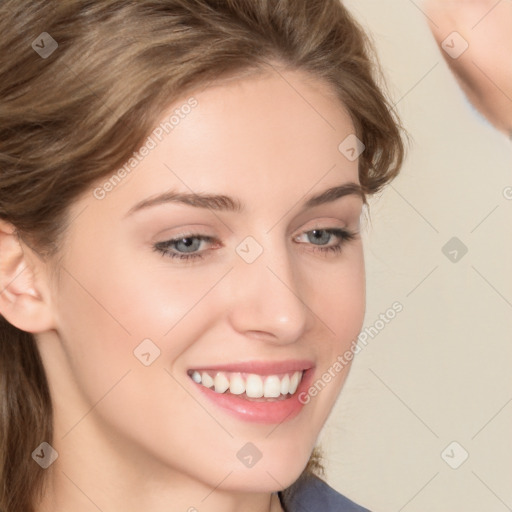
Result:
272,135
275,105
255,127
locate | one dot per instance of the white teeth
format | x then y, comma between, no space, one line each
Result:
237,384
255,386
285,385
272,388
206,380
294,382
221,383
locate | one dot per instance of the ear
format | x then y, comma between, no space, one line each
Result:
24,297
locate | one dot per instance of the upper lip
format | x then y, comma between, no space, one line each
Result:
260,367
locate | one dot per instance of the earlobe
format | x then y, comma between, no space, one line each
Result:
24,301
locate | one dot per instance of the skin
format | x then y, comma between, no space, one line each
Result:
484,70
132,437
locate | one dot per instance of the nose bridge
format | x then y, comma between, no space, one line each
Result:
266,296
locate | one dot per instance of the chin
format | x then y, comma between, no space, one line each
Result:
275,474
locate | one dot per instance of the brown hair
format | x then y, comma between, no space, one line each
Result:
70,117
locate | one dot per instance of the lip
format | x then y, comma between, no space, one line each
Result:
270,412
260,367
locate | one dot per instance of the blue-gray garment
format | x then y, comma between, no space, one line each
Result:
312,494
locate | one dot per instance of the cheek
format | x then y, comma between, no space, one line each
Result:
109,305
105,312
338,298
340,306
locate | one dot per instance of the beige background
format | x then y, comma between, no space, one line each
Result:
440,371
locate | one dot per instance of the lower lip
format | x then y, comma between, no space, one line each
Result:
260,412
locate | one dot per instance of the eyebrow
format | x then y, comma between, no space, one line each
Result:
219,202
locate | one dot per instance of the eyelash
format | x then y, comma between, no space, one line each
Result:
343,235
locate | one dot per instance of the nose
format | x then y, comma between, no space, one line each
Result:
266,299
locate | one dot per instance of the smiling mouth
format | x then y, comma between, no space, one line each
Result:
250,386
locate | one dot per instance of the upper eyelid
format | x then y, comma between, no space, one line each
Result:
326,225
205,237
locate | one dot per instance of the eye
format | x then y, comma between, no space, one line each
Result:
322,239
192,246
185,247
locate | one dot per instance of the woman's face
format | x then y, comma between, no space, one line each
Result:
255,288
